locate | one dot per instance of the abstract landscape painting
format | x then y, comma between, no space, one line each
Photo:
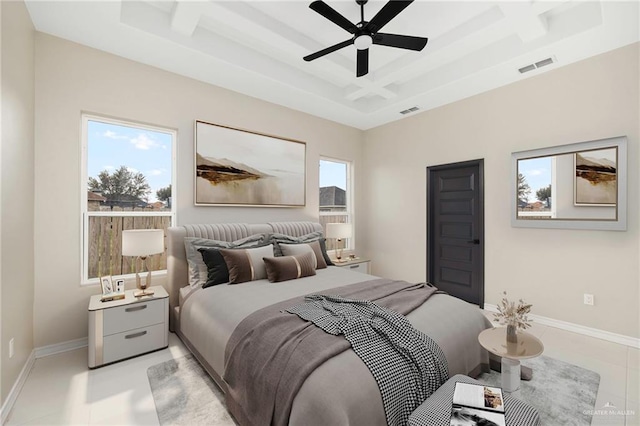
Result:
239,167
596,177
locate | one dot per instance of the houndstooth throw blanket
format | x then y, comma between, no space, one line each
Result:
407,364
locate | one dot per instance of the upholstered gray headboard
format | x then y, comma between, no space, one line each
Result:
177,268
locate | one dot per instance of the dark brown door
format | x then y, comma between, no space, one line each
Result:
455,229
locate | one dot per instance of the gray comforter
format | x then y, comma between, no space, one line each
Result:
271,352
209,316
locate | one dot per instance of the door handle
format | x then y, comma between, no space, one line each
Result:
473,242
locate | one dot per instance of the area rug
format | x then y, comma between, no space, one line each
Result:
563,394
185,394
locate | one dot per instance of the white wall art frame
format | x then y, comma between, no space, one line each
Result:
595,221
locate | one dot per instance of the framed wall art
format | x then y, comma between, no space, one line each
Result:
577,186
596,177
236,167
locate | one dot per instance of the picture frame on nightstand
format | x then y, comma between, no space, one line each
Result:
111,289
118,285
107,285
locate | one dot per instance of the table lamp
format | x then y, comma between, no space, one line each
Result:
339,231
142,243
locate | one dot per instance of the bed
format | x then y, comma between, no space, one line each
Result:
204,319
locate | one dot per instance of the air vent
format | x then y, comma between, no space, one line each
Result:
544,62
410,110
536,65
527,68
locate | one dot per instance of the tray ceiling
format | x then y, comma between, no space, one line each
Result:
256,47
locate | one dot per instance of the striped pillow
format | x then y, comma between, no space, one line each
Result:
312,247
290,267
198,270
246,264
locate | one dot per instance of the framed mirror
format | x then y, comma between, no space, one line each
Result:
575,186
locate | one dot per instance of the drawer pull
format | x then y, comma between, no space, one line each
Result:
134,335
354,266
137,308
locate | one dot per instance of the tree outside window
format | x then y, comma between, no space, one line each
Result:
128,185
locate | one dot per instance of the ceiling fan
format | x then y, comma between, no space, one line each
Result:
366,33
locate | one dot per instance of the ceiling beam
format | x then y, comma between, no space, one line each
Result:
525,21
185,16
351,93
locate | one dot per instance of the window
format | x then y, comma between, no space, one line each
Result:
335,195
128,171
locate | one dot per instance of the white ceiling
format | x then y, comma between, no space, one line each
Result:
256,47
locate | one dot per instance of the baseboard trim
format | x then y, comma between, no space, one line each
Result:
26,369
59,348
17,387
580,329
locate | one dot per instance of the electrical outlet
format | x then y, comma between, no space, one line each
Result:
11,350
588,299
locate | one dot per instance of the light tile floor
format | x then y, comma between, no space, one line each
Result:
61,390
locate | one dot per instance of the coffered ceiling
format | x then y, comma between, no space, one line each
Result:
256,47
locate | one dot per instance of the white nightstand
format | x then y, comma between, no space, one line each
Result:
127,327
359,264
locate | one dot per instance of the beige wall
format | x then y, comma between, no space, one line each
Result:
17,189
70,79
593,99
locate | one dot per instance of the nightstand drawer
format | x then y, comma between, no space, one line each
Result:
134,342
358,267
134,315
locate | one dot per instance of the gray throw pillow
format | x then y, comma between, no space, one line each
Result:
312,247
277,239
198,269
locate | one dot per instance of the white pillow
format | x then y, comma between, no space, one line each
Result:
256,255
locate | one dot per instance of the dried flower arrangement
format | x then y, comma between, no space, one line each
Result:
511,314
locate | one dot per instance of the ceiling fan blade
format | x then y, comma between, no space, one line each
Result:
328,50
401,41
328,12
387,13
362,63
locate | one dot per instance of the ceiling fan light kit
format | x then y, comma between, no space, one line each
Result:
363,42
366,33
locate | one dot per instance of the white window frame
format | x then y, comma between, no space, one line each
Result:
349,199
84,187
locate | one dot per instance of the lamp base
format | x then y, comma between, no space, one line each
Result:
142,293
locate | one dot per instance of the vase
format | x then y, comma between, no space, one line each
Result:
512,333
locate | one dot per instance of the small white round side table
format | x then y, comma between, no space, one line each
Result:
528,346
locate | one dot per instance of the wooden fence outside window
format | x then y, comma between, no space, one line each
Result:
105,244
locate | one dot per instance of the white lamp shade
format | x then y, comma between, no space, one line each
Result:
142,242
339,230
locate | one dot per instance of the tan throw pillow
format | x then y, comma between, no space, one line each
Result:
246,264
313,247
289,267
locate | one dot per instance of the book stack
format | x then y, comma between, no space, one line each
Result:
477,405
112,296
